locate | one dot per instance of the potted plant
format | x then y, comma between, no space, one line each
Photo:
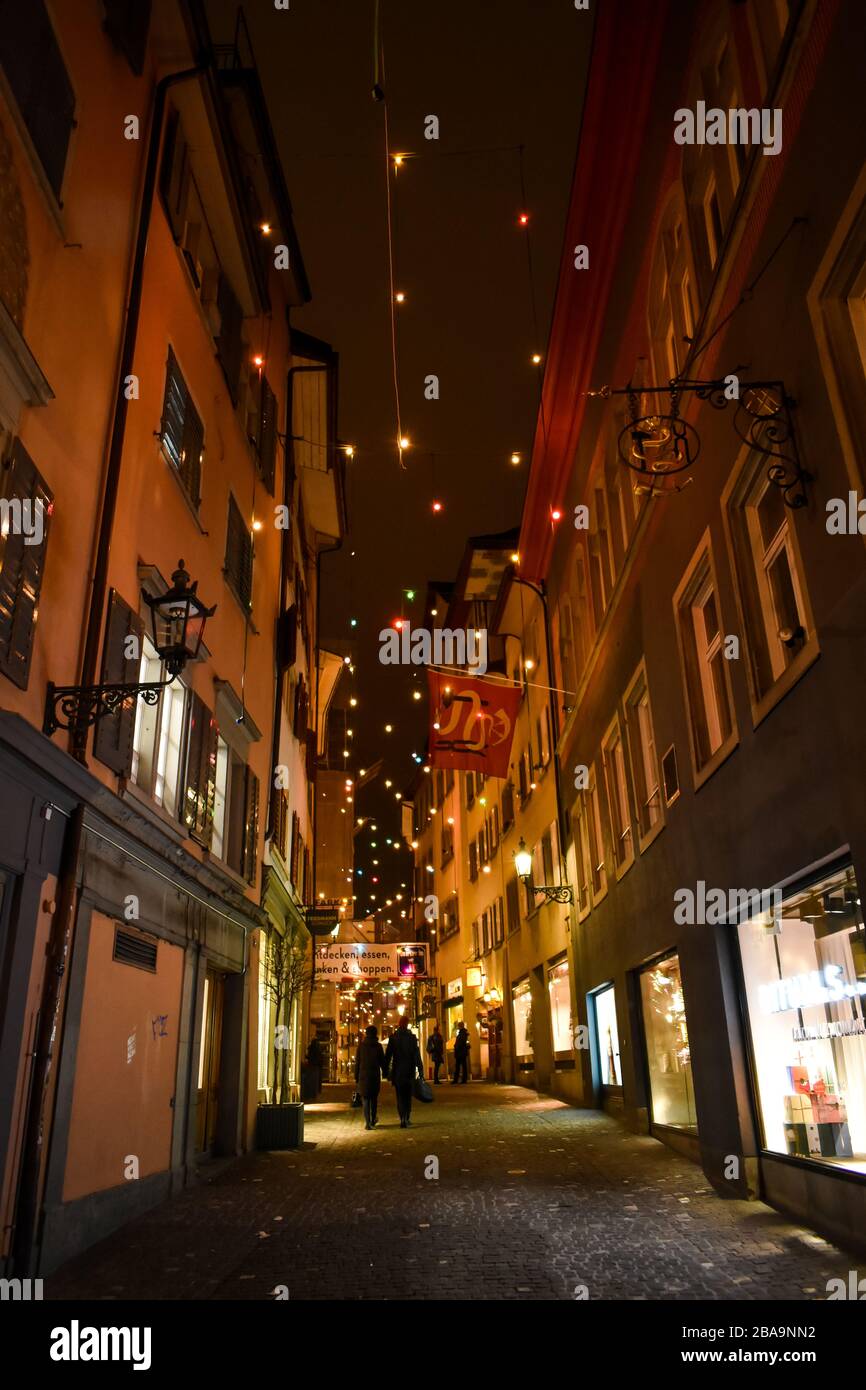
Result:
280,1122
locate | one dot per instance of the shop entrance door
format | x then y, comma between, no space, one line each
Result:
607,1060
209,1063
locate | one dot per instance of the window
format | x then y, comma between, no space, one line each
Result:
644,761
473,860
220,798
512,899
583,856
239,556
705,666
607,1037
447,843
770,584
805,981
598,871
613,758
470,789
127,23
522,1001
37,76
24,521
498,923
669,1057
201,765
507,806
182,434
672,310
157,741
262,427
450,919
559,991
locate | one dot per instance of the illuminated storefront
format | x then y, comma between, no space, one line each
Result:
805,985
669,1059
522,1001
607,1037
559,991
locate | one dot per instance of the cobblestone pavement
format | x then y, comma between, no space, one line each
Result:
533,1199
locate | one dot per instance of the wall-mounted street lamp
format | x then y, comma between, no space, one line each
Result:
178,620
553,892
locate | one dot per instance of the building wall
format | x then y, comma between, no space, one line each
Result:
127,1057
782,794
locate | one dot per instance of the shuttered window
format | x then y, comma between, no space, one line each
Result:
121,665
239,555
287,638
36,73
127,23
263,431
182,430
296,849
251,827
280,821
512,899
301,711
201,764
175,175
229,341
27,503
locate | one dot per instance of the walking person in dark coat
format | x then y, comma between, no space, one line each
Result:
402,1061
461,1056
436,1051
369,1070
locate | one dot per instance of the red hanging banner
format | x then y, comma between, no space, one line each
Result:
475,719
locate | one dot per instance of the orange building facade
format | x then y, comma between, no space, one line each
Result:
152,424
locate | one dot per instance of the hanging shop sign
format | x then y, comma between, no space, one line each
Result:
362,960
321,921
471,723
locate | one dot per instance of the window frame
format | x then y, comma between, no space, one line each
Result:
614,757
635,698
745,489
699,574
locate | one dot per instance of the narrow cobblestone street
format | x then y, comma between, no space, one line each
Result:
533,1200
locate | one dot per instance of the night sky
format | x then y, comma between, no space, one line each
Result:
499,74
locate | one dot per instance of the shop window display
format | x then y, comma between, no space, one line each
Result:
805,979
608,1037
522,1020
560,1006
667,1043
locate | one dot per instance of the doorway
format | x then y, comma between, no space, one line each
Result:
209,1063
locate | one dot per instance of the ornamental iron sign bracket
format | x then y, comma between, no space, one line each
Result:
78,707
660,444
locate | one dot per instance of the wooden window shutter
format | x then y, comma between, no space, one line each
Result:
175,175
239,554
229,340
296,836
121,664
287,638
21,565
251,827
201,761
267,442
312,753
127,23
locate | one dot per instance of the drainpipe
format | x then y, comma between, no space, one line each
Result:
57,958
78,737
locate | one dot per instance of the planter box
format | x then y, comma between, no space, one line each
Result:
280,1126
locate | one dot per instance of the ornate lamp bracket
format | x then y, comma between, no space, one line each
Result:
663,443
75,706
555,892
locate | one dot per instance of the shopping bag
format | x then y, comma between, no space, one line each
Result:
422,1090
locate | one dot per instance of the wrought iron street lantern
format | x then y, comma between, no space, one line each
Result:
553,892
178,620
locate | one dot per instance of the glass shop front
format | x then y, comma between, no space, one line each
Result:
669,1058
804,970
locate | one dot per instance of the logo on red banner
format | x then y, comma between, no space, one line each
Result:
471,723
